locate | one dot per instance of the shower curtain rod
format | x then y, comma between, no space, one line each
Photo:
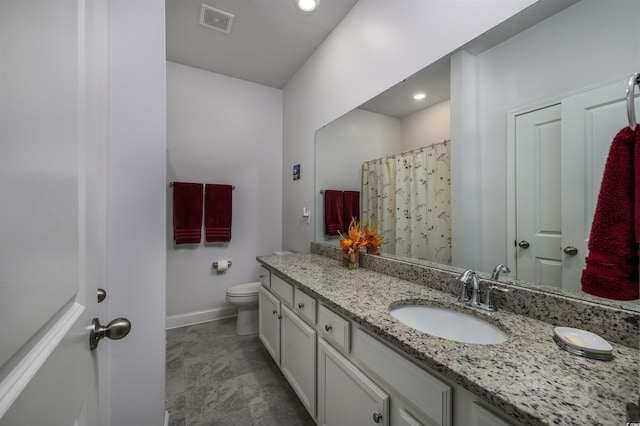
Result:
444,141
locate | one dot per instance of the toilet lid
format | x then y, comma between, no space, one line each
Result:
244,289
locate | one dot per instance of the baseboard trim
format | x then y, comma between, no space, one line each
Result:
198,317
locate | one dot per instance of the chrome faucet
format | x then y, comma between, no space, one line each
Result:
464,279
499,268
474,299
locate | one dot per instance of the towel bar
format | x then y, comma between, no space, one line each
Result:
232,186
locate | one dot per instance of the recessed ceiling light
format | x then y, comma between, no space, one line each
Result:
419,96
307,5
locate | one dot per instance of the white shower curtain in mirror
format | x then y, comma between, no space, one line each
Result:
408,198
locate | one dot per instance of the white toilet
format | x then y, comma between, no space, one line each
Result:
245,298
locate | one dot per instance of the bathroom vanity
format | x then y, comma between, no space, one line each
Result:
351,361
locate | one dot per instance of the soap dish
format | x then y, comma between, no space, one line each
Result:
583,343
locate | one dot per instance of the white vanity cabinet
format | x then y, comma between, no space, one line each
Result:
265,277
345,395
269,323
480,416
418,398
345,375
290,341
334,329
298,357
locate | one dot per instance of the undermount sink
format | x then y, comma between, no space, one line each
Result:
449,324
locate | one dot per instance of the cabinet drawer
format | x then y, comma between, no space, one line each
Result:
427,393
282,289
265,277
334,328
304,305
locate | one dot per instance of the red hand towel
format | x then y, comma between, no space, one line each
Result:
333,209
612,264
187,212
636,164
351,207
217,212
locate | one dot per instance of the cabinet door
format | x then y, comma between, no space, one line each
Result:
345,395
298,356
269,323
406,419
483,417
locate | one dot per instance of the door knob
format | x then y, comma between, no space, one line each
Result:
571,250
101,295
523,244
328,327
115,330
377,417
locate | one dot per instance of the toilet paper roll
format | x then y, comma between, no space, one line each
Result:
223,265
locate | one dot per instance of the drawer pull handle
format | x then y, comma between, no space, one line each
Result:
279,316
328,327
377,417
275,311
300,305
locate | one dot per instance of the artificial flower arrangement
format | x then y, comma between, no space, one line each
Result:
374,240
357,238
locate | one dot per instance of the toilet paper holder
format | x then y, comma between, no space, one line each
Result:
215,264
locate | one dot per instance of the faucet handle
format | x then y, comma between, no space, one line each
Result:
487,299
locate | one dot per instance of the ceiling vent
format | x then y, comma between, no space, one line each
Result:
216,19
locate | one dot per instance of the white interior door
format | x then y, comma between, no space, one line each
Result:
49,229
561,152
590,121
538,205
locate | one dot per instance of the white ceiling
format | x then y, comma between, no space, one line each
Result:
268,43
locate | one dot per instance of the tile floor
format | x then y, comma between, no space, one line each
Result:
215,377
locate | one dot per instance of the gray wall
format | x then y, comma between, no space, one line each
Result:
226,131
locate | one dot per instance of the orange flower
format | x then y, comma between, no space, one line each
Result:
345,244
374,241
355,238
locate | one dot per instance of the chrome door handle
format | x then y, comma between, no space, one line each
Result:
523,244
115,330
571,250
101,295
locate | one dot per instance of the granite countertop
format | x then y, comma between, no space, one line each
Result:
528,377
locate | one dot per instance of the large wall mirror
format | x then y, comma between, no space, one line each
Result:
541,57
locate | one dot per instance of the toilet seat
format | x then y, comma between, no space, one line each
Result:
244,290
